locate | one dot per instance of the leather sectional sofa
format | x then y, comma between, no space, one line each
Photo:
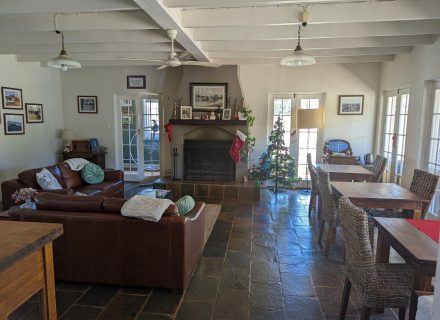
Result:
99,245
112,186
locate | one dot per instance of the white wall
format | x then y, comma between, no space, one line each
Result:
40,143
258,81
414,69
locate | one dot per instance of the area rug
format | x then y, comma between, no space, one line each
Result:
211,214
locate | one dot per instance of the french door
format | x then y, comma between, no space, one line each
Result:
138,123
394,133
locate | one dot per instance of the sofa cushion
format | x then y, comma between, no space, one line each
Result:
60,202
109,188
71,178
92,173
113,205
90,190
28,177
185,205
47,180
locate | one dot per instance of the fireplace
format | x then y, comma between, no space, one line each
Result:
208,160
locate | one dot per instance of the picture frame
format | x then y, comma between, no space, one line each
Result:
186,112
13,123
227,113
208,96
351,105
34,113
136,82
87,104
12,98
94,144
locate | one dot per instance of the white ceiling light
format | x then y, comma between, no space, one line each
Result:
298,58
63,62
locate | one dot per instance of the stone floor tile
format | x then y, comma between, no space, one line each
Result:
263,218
264,240
233,305
81,312
202,289
265,272
65,299
219,236
194,310
225,216
330,300
265,254
140,291
303,308
239,244
237,259
235,279
209,267
222,226
98,295
259,313
162,301
267,295
297,285
214,249
72,286
123,307
152,316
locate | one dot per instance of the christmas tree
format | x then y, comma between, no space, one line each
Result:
276,164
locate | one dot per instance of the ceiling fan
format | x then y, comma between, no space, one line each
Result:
176,60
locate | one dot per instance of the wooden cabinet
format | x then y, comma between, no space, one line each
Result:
97,157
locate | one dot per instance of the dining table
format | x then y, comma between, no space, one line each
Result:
416,241
342,172
379,195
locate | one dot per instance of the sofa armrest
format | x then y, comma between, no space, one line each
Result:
113,175
58,191
8,189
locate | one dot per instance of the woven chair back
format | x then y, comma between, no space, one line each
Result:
329,207
379,165
424,185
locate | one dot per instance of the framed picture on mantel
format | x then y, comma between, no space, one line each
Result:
208,96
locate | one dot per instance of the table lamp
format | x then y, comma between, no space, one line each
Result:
67,135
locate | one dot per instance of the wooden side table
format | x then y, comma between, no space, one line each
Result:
26,265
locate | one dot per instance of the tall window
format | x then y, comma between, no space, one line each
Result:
434,145
307,138
283,108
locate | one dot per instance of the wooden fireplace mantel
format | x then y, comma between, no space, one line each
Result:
208,122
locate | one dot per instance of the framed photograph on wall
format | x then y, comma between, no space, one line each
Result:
186,112
13,123
12,98
34,113
351,105
208,96
136,82
87,104
226,115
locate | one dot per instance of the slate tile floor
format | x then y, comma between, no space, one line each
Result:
262,261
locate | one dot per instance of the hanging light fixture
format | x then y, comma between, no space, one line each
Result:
298,58
63,62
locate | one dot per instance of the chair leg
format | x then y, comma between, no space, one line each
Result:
345,299
331,235
311,205
321,231
365,313
402,313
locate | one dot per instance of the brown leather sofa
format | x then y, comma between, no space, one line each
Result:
112,186
99,245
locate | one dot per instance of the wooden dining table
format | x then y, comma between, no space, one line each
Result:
379,195
414,246
342,172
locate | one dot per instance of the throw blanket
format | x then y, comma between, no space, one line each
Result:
150,209
76,164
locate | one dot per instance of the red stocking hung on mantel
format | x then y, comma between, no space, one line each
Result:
237,145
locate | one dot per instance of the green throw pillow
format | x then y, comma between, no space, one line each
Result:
185,204
92,173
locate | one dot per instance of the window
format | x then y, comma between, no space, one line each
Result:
434,145
283,108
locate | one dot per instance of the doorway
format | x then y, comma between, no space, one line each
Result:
138,135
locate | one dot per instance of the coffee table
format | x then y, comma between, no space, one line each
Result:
157,193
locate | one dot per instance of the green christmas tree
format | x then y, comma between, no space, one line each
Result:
276,164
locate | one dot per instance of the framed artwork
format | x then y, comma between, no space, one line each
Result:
13,123
34,113
87,104
208,96
186,112
94,144
351,105
226,114
136,82
12,98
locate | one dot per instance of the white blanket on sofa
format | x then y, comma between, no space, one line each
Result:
76,164
145,208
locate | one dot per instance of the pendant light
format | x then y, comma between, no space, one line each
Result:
63,62
298,58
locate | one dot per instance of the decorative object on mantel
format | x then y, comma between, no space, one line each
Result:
226,114
87,104
68,136
351,105
212,116
34,113
276,164
14,123
12,98
208,96
136,82
186,112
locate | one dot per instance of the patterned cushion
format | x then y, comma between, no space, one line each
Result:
47,180
92,173
185,205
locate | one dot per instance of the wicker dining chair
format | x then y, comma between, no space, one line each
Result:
380,285
379,165
330,211
314,191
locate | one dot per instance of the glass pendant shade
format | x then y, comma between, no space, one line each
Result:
63,62
297,59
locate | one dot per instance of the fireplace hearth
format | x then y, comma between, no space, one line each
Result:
208,160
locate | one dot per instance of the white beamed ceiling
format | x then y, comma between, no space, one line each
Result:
100,32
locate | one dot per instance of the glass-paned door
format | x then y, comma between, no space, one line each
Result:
139,136
283,108
394,133
433,163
